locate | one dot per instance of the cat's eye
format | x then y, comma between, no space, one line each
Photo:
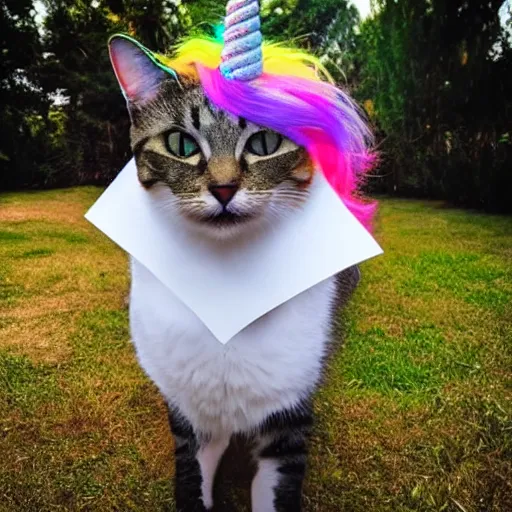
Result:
181,144
263,143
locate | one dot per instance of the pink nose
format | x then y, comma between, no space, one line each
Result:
223,193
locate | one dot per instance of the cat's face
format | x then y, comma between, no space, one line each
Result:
224,174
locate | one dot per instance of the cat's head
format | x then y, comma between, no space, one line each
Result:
223,173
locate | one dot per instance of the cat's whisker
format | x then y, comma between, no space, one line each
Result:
291,198
259,192
290,193
191,201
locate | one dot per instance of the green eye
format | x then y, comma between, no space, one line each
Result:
181,144
263,143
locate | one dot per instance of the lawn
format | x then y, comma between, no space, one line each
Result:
416,413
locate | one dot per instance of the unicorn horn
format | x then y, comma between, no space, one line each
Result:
241,57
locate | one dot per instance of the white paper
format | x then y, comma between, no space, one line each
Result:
212,277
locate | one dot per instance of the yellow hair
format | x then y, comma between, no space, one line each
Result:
277,60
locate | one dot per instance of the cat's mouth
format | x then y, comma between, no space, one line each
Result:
227,218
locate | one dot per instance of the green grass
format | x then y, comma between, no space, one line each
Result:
415,415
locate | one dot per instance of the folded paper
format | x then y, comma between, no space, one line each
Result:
246,279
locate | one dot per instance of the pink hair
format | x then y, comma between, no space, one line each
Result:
313,114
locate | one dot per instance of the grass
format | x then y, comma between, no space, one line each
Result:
416,413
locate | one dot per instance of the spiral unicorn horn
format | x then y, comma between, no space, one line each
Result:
241,56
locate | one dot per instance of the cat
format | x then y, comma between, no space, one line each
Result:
223,176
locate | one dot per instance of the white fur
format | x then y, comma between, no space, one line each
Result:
208,457
265,480
272,364
223,389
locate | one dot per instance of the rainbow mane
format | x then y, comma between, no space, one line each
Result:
294,96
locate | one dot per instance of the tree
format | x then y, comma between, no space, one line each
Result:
439,90
434,77
23,103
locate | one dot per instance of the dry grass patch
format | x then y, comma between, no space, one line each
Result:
52,211
44,337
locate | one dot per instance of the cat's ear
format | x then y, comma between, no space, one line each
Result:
137,69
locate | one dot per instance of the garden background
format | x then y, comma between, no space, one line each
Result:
416,414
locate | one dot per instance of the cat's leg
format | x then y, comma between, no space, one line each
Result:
196,460
209,455
280,453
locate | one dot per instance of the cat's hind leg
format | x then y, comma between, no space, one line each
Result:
197,458
281,453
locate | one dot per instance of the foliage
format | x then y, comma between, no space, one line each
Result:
439,75
432,75
65,120
21,147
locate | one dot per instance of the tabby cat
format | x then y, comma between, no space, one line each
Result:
223,176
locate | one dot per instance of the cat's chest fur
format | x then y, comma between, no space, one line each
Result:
272,364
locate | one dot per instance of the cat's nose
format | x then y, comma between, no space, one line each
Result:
223,193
